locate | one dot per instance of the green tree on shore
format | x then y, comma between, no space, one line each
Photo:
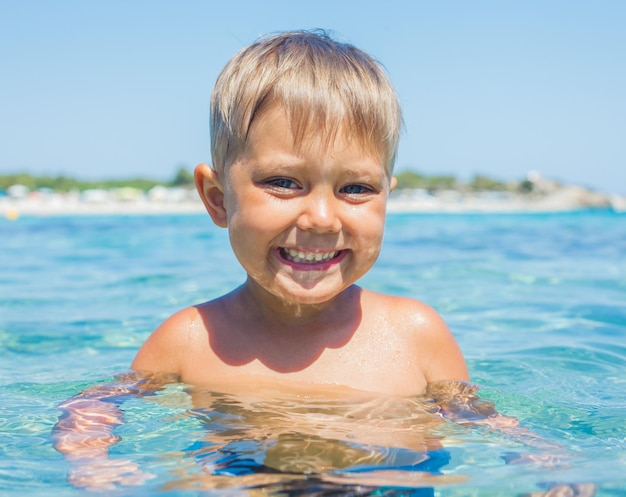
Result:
184,178
412,179
63,183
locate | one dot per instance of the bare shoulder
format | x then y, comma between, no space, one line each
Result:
431,340
406,313
166,347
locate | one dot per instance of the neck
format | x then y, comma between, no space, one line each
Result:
284,337
277,313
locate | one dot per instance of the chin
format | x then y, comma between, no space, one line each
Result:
309,297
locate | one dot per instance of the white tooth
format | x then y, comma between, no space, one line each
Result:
301,256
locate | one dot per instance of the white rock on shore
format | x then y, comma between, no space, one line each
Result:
563,199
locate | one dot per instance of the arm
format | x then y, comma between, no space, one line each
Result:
437,349
459,402
448,385
85,427
85,430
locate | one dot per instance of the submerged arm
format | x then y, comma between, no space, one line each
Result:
85,430
86,425
459,402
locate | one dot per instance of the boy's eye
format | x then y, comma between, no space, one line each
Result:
356,189
284,183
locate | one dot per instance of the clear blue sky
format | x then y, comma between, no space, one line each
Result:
120,88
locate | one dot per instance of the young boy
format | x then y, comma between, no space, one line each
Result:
304,137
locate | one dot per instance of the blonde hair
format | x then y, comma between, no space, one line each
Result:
324,86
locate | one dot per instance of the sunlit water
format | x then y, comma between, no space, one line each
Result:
537,303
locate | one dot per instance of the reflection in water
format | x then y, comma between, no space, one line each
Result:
275,440
315,440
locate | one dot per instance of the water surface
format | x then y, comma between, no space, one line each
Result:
535,301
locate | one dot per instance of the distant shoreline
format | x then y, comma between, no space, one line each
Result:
567,199
533,195
562,199
14,209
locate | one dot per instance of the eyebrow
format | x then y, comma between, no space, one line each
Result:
365,170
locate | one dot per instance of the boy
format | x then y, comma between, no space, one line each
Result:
304,137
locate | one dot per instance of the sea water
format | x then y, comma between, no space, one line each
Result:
537,303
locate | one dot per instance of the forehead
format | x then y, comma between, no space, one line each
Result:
276,128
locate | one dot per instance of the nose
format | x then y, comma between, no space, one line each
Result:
320,212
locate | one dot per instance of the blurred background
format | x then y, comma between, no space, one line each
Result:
121,89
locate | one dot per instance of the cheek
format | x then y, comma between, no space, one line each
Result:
369,236
243,234
251,232
240,209
252,222
371,246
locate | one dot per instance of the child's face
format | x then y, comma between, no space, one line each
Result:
305,222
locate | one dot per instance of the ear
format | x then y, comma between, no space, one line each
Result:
393,183
211,192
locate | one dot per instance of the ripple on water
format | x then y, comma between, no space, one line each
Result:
535,301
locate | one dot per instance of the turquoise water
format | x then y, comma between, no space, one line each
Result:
537,303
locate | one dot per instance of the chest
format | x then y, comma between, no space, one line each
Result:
372,360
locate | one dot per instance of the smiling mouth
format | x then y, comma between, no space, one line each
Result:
304,257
